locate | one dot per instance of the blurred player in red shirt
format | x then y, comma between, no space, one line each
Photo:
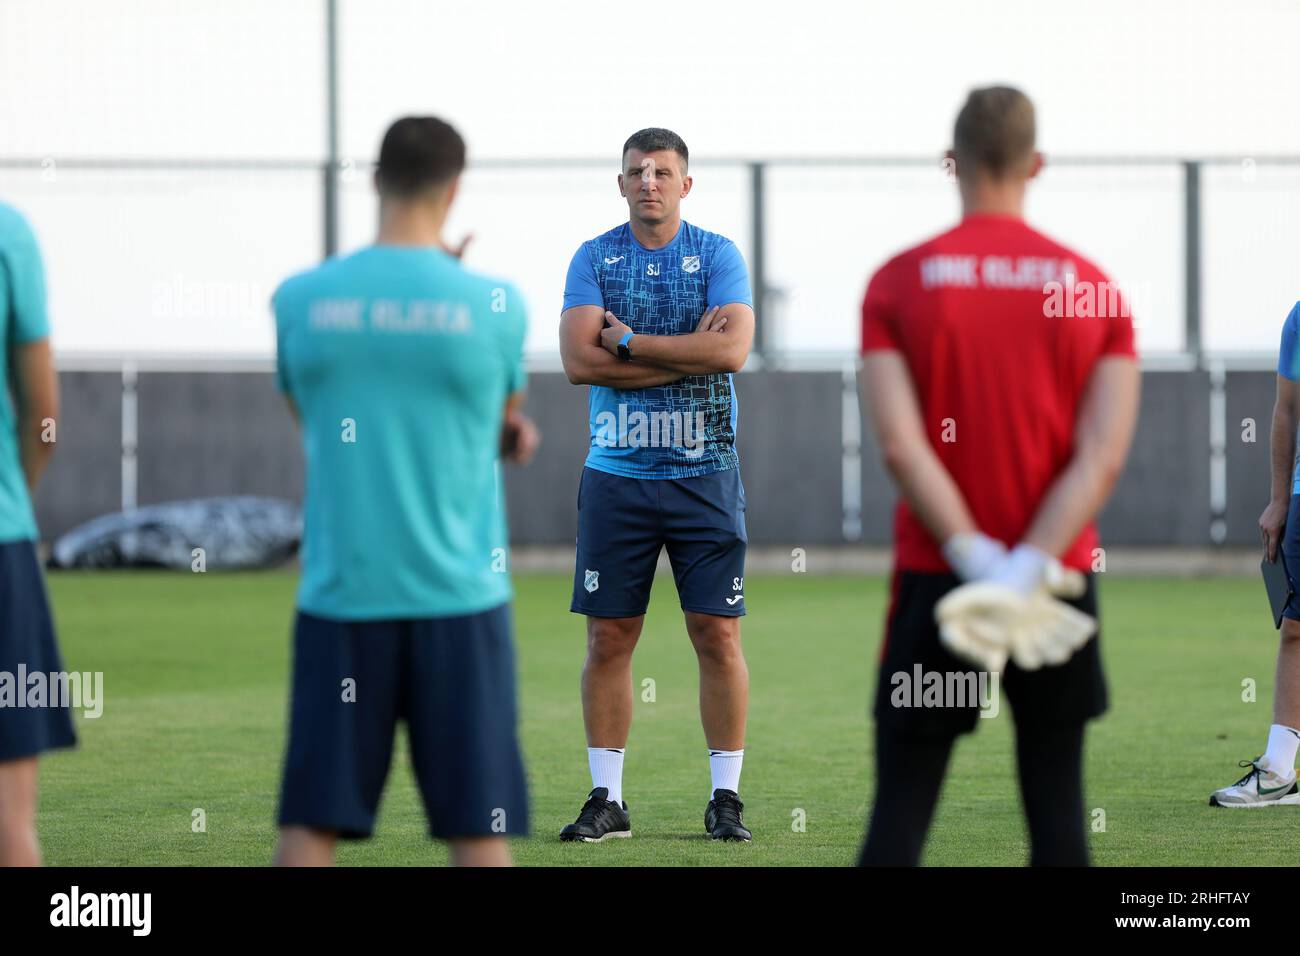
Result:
1001,380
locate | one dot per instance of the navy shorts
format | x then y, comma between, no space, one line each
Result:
451,680
623,524
1291,555
27,642
1070,693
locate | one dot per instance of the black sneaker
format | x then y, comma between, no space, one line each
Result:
722,817
600,818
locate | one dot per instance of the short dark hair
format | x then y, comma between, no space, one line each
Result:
652,139
418,153
994,130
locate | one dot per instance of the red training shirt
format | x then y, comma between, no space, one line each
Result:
1000,327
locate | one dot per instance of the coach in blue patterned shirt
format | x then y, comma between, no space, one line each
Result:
657,316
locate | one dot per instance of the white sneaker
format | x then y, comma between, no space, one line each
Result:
1258,788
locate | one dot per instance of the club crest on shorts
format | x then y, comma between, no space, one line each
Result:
591,580
690,263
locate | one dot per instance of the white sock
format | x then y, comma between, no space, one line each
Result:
1279,758
607,770
724,768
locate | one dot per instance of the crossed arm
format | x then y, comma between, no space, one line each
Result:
1102,435
589,337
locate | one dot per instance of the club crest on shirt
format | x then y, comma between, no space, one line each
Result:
591,580
690,263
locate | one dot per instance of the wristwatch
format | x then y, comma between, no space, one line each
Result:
624,353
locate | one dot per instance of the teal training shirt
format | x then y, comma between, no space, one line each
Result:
22,320
399,361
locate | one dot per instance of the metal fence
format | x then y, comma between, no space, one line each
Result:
1205,246
1198,474
142,426
1213,236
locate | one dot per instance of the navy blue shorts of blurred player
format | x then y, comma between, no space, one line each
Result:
27,639
1291,555
623,523
451,680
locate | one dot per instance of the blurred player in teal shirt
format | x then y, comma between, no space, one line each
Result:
406,373
29,405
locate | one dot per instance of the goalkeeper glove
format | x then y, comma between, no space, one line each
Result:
1049,632
1013,612
972,555
976,622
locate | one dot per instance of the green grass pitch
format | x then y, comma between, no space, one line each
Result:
195,672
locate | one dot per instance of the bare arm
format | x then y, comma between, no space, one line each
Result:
1282,439
36,391
519,435
1102,436
887,393
1282,449
720,344
587,363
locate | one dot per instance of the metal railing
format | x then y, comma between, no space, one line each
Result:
332,166
758,174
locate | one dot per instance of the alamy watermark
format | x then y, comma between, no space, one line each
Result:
1073,298
76,689
636,428
74,908
946,689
